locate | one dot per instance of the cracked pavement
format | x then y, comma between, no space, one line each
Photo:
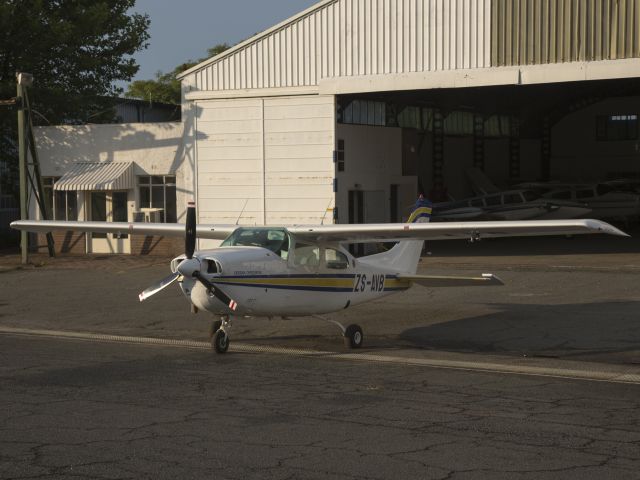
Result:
74,409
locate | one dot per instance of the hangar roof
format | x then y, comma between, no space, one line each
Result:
343,46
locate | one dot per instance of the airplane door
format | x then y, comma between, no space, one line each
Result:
108,207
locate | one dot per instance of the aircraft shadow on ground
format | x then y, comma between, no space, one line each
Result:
538,329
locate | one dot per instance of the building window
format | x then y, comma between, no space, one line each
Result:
340,155
617,127
364,112
47,187
459,123
66,205
159,191
61,205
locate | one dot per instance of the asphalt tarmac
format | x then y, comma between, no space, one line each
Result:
75,409
536,379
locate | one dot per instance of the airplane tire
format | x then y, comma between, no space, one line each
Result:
220,341
214,327
353,336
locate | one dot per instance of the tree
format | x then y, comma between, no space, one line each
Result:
75,49
166,87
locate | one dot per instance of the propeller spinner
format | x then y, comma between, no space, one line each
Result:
190,267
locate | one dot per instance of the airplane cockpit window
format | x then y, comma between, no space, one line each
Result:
561,195
335,259
274,239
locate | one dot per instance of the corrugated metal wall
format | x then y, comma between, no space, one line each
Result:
555,31
266,160
359,37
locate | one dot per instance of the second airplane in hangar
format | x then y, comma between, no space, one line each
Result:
306,270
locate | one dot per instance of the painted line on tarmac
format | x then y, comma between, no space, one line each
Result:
597,372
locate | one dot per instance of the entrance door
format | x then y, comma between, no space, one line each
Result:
108,207
366,207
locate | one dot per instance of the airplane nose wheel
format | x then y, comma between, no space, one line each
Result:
220,341
219,334
214,327
353,336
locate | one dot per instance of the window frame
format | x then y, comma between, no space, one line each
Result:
605,132
168,181
48,184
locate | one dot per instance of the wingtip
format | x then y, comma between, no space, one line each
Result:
610,229
598,226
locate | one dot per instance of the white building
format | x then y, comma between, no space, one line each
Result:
349,109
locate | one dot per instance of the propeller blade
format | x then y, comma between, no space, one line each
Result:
165,282
219,294
190,231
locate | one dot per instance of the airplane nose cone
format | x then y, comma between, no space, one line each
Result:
188,266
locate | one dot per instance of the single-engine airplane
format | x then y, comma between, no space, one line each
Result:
306,270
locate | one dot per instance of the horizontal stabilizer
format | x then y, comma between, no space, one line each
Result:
487,279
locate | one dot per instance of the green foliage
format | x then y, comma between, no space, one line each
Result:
75,49
166,87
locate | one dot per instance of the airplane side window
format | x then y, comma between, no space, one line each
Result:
563,195
587,193
335,260
493,200
306,255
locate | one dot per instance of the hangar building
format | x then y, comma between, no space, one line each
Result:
344,112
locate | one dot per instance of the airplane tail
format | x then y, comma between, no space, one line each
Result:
480,183
404,256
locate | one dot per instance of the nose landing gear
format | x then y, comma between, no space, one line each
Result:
218,333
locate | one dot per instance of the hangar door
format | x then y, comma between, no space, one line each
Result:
265,160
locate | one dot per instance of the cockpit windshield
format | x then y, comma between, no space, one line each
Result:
274,239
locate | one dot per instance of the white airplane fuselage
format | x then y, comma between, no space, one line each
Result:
264,284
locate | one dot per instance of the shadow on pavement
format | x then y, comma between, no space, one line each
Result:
550,330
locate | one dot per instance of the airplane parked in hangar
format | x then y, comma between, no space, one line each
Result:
306,270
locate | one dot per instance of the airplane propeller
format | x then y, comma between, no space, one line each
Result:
190,267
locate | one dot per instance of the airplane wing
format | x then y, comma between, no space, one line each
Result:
395,232
487,279
346,233
216,232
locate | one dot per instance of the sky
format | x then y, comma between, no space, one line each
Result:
183,30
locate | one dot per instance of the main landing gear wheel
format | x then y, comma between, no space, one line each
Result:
214,327
220,341
353,336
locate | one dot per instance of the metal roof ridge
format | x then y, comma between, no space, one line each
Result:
255,37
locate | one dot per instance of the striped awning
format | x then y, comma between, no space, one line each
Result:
97,176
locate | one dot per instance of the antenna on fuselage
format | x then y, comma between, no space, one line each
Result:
242,211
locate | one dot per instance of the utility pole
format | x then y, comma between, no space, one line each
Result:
23,80
26,142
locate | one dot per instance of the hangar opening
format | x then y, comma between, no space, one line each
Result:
392,146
